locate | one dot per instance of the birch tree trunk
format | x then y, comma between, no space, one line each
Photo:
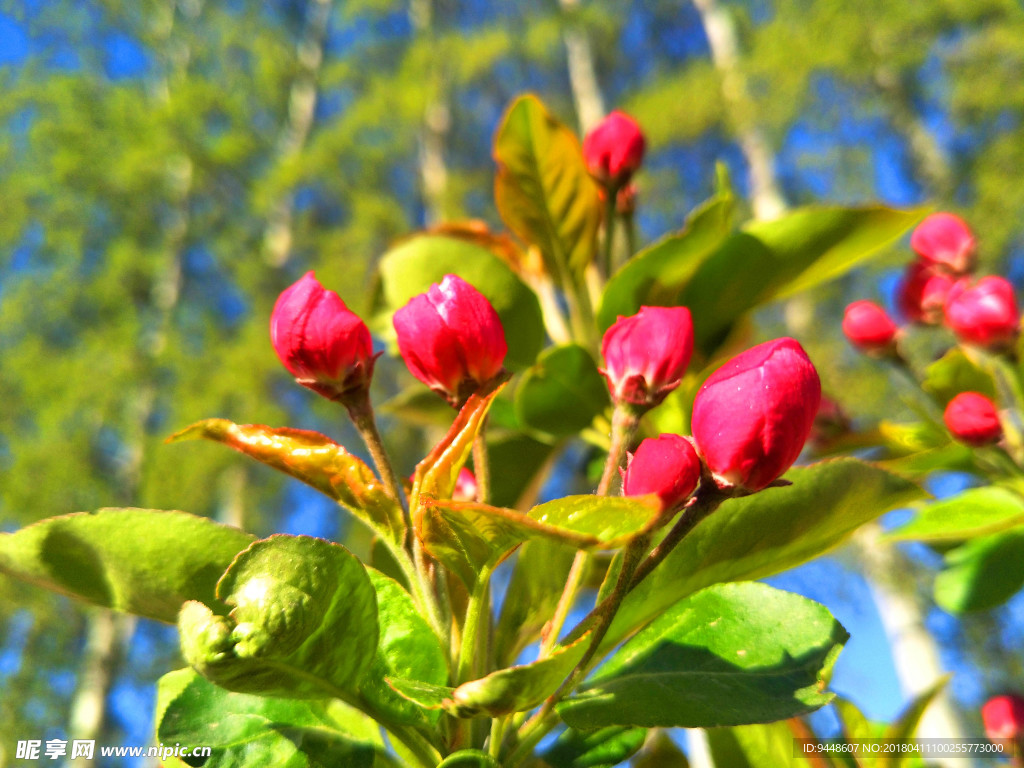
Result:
765,193
436,120
586,92
302,99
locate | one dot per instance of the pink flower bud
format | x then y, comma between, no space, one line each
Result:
753,415
945,240
614,149
868,327
1003,717
985,314
465,486
666,465
971,418
646,354
451,339
324,345
923,292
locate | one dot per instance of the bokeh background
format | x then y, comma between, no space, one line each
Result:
167,167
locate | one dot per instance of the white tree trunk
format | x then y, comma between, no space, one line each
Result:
914,651
436,123
765,194
302,98
586,92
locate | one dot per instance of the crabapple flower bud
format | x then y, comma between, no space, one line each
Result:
923,292
614,149
985,314
666,465
753,415
324,345
1003,717
946,241
451,339
869,327
971,418
465,486
646,354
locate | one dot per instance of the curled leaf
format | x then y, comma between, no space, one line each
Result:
303,622
314,459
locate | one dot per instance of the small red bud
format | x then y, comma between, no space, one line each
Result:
753,415
614,149
646,354
451,339
946,241
666,465
971,418
985,314
465,486
1003,717
869,327
324,345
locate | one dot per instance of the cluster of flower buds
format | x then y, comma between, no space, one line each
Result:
938,288
751,417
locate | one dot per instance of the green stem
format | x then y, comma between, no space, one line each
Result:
536,729
474,629
609,230
421,749
361,412
497,733
630,234
572,586
625,420
706,501
481,464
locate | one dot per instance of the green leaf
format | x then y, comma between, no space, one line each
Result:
775,259
303,623
428,696
612,521
414,264
975,512
562,393
469,758
656,275
244,729
543,191
142,561
603,748
408,648
519,688
538,578
435,476
772,530
954,373
754,746
983,573
314,459
516,461
905,726
468,537
732,654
